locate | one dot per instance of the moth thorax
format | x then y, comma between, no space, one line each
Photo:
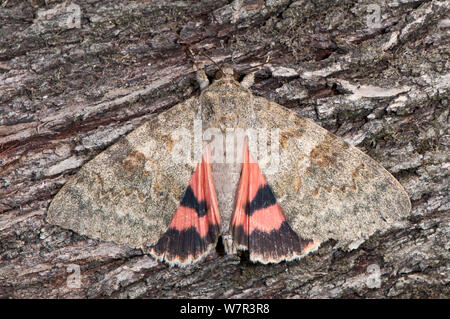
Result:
223,108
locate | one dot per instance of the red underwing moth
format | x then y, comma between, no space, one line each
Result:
201,171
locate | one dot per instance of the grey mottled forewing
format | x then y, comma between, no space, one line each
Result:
128,193
326,187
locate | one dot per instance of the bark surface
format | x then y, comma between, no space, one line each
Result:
76,76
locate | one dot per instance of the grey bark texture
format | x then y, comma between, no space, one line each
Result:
76,76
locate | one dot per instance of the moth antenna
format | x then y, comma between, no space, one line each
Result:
259,66
188,48
218,66
201,52
249,79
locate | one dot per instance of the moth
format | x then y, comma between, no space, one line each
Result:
198,173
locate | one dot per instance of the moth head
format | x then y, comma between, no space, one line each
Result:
226,72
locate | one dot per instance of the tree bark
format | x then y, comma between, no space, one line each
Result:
76,76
